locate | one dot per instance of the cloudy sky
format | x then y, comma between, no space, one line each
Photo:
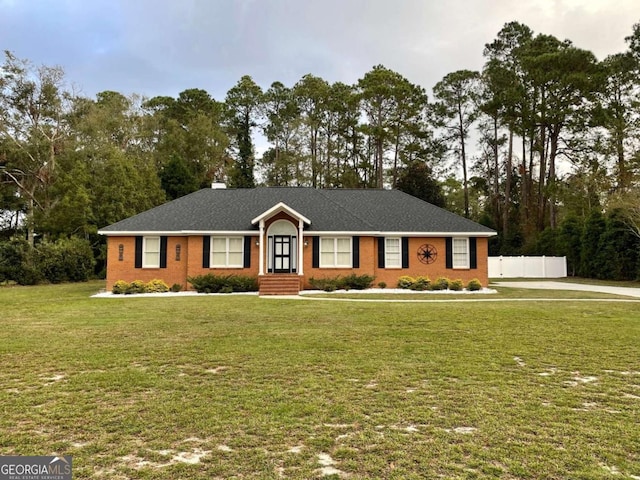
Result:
161,47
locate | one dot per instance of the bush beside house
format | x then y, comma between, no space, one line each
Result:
211,283
65,260
441,283
121,287
347,282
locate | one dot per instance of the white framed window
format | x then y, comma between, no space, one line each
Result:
227,252
151,252
460,253
392,252
335,252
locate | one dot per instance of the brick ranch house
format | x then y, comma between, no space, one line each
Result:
287,235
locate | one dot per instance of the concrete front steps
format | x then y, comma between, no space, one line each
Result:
279,284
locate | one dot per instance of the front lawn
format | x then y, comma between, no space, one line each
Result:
245,387
501,293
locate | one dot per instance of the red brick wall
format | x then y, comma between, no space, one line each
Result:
195,261
176,271
190,263
369,263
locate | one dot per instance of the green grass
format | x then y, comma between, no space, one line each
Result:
260,388
502,293
588,281
592,281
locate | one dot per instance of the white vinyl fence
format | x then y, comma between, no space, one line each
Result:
527,267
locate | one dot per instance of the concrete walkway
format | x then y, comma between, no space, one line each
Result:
634,293
627,291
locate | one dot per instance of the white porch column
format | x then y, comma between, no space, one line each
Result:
261,251
300,247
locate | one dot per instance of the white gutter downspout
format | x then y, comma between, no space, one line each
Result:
261,252
300,247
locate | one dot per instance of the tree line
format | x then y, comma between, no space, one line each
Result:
537,143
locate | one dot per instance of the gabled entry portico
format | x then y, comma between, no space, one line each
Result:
281,241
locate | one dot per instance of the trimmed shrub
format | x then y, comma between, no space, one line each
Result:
455,285
156,286
440,283
421,283
120,287
474,285
211,283
382,284
208,283
353,281
242,283
251,284
330,287
176,287
326,284
405,281
357,282
137,286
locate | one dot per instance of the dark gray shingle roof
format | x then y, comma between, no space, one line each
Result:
336,210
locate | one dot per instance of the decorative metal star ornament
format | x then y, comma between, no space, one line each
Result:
427,254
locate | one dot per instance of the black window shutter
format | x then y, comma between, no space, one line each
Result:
380,252
206,251
356,252
163,252
449,252
405,252
473,253
315,252
247,251
138,255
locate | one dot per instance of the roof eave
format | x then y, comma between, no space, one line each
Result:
185,233
174,233
399,234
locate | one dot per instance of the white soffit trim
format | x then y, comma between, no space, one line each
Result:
401,234
128,233
184,233
221,232
280,207
181,233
